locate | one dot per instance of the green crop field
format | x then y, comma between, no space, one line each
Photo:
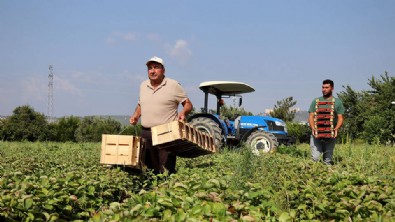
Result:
65,182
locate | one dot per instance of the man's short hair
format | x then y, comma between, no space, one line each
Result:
328,81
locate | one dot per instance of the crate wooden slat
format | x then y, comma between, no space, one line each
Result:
324,102
324,129
182,139
120,150
323,122
324,135
319,116
324,110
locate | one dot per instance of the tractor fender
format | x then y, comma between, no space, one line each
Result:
221,123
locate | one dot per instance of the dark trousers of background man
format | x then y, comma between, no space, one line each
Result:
154,158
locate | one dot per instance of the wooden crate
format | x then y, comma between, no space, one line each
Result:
120,150
323,119
182,139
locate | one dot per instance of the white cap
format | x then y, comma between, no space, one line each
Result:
156,59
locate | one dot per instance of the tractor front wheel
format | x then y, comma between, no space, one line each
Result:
261,141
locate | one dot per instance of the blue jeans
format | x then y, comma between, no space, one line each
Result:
323,146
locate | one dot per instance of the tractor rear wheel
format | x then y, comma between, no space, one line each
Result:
209,126
261,141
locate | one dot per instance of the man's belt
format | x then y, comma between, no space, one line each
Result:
145,128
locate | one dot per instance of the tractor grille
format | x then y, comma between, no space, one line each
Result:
274,127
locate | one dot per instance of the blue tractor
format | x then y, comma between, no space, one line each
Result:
262,133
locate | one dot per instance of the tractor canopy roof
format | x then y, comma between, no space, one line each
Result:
225,87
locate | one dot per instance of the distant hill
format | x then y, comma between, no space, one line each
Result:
124,120
301,116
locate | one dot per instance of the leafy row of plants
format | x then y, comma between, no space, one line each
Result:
65,182
41,181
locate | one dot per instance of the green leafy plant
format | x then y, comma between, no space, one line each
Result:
45,181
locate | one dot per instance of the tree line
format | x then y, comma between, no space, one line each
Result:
25,124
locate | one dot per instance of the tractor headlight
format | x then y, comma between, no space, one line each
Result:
278,123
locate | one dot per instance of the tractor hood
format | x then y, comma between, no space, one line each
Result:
270,124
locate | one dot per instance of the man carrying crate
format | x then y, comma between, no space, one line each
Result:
158,104
325,119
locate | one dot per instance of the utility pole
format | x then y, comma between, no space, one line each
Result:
50,94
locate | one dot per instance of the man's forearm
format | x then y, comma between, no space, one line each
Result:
340,121
137,111
311,121
312,124
136,115
187,108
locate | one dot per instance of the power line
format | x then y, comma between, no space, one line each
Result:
50,94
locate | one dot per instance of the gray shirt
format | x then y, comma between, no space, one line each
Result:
160,106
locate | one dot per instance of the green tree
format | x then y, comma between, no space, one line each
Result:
226,112
301,132
230,112
283,109
25,124
369,113
193,112
2,130
64,129
131,130
91,128
380,126
352,102
374,130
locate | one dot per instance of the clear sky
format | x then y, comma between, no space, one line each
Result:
98,49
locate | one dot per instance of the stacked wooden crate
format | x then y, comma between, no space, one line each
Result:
120,150
182,139
323,119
